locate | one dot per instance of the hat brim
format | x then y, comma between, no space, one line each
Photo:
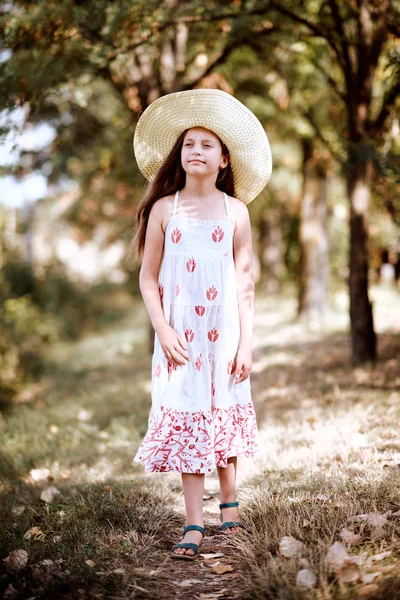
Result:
167,117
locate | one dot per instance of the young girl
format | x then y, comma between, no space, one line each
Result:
206,156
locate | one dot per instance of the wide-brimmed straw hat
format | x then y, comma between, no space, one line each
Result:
167,117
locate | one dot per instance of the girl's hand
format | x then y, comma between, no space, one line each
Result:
243,361
173,346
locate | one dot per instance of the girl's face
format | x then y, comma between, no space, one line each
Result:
202,153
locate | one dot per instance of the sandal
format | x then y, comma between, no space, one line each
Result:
191,545
229,524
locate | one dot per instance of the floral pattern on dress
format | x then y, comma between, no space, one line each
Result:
197,442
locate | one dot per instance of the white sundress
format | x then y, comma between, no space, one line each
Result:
199,416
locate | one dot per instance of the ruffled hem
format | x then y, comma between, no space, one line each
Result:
198,442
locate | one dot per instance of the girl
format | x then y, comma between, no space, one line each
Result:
206,156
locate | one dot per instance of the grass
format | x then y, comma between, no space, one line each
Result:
331,452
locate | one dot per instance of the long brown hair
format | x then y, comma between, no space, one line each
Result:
170,177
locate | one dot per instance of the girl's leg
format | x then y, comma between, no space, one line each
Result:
227,486
193,490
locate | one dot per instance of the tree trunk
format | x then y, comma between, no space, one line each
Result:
314,265
271,250
362,328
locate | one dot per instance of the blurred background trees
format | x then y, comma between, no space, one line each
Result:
322,76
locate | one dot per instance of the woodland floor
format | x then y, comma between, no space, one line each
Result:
329,472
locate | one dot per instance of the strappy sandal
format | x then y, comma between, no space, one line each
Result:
191,545
229,524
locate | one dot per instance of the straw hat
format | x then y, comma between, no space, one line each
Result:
167,117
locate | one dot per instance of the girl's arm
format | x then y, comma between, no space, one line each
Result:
171,342
149,271
242,247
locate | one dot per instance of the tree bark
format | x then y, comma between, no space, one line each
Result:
271,251
362,327
314,262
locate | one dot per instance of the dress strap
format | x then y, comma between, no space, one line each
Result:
227,206
175,203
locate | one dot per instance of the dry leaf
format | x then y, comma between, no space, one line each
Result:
16,560
370,577
221,569
85,415
349,536
11,592
213,595
49,494
39,474
188,582
304,563
35,533
350,573
215,555
306,578
17,510
90,563
337,557
320,497
379,556
289,546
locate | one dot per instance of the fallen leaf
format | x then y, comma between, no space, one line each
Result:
350,573
370,577
304,563
11,592
221,569
49,494
337,557
90,563
208,556
380,556
289,546
39,474
320,497
213,595
17,510
35,533
349,536
188,582
306,578
16,560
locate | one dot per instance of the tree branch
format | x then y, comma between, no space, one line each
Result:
311,26
388,101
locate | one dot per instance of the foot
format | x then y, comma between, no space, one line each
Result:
231,514
190,536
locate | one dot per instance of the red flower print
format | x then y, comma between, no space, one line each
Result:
198,362
217,234
213,335
189,335
161,288
211,293
225,253
212,389
177,290
231,367
191,265
157,370
171,366
200,310
176,235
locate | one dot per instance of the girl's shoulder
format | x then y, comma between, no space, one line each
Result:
162,209
239,211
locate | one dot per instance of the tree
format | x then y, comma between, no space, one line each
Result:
358,36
